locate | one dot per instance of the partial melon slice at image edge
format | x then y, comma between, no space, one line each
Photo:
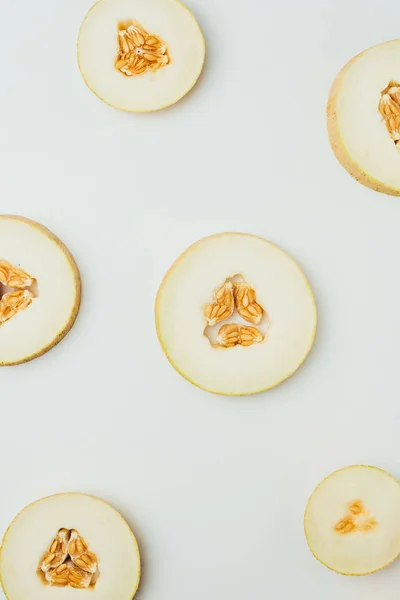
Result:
58,533
266,315
55,296
361,137
140,55
352,520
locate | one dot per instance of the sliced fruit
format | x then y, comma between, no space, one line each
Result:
235,315
140,55
40,290
364,117
72,541
352,520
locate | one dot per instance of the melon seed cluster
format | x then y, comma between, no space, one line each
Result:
68,561
241,296
139,51
357,519
389,107
19,297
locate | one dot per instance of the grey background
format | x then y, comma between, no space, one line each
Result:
215,488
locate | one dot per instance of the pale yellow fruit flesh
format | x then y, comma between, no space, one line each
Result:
98,47
34,331
357,131
106,532
362,550
281,289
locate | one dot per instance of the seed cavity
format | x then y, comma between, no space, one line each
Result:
69,562
389,107
235,294
358,519
17,297
139,51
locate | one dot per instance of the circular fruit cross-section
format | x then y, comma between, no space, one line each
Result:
40,290
70,541
235,314
352,520
140,55
364,117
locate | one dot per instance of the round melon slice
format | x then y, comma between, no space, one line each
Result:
352,520
364,117
140,55
40,290
65,543
235,315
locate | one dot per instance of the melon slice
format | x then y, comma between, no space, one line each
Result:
140,55
352,520
235,314
40,290
65,543
364,117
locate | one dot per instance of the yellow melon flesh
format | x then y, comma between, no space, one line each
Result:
352,520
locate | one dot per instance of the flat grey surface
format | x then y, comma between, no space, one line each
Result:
215,488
